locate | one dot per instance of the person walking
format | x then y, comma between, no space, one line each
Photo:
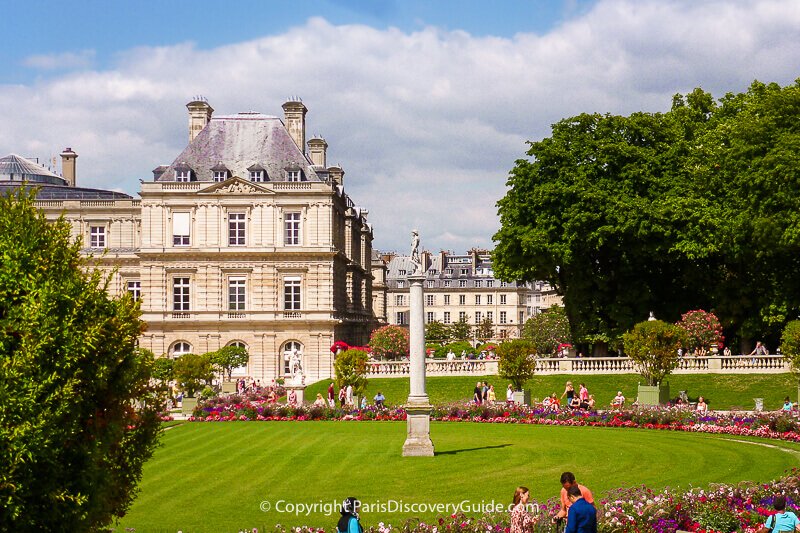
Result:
510,394
582,517
567,481
331,395
782,520
491,397
348,523
477,394
569,392
521,519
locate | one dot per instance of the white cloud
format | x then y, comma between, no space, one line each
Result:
64,61
426,124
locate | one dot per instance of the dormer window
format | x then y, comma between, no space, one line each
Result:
257,173
220,175
292,175
183,172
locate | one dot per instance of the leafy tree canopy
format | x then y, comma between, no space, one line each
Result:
696,207
461,330
192,371
517,362
229,357
436,331
547,330
78,415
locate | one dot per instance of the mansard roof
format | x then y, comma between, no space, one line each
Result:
239,142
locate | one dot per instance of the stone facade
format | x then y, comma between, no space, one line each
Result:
464,286
242,239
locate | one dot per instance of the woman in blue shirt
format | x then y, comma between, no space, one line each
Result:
349,523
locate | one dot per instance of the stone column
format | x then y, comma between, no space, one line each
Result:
418,409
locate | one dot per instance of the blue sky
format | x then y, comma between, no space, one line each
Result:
426,105
94,31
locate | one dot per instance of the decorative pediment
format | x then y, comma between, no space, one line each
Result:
235,185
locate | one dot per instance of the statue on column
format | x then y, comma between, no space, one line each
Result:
416,260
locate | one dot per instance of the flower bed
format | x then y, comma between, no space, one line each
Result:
765,425
719,509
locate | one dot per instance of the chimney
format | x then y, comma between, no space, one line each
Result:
337,175
295,117
199,115
68,158
317,150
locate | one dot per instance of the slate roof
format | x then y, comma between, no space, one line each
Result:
62,192
239,142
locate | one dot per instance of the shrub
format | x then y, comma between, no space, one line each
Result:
654,344
702,329
517,362
351,369
457,347
192,371
389,342
163,369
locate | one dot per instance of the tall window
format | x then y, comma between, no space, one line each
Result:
490,283
502,299
489,299
478,283
291,229
430,283
429,299
291,294
237,293
462,299
446,299
490,315
97,237
477,299
503,319
462,316
399,299
400,318
447,283
462,283
430,317
446,317
180,348
181,229
180,294
135,289
236,229
478,316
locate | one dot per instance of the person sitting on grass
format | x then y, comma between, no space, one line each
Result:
619,401
379,399
702,406
787,405
320,401
782,520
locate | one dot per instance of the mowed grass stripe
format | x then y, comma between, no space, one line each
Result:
212,476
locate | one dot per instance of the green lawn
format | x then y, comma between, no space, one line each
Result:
212,477
722,391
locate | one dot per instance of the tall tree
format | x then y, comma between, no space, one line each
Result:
693,208
78,415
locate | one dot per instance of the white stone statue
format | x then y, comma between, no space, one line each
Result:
415,257
296,367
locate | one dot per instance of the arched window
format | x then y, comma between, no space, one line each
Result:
180,348
287,352
242,370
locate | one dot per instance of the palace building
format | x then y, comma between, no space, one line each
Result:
247,238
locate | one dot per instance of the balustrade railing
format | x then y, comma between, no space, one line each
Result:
741,364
